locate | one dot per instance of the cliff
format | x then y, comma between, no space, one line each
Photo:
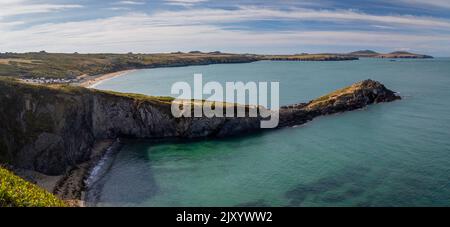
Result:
51,129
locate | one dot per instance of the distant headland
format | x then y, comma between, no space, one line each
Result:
87,69
395,54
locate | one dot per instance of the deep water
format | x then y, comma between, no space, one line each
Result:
390,154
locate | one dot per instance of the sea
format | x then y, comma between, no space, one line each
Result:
389,154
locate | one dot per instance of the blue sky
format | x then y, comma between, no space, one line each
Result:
245,26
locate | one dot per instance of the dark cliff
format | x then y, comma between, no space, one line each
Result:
51,129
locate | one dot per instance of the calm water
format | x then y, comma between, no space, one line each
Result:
392,154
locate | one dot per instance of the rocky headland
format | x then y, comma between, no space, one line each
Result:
88,69
63,130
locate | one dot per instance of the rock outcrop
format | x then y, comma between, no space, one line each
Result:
350,98
51,129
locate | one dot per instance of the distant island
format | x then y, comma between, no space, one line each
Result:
84,69
396,54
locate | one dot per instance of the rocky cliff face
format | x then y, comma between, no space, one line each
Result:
52,129
119,116
44,129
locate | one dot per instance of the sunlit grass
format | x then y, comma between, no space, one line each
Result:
16,192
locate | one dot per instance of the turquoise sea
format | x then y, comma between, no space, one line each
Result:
390,154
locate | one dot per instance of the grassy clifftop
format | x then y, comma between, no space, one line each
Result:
16,192
12,86
70,66
82,66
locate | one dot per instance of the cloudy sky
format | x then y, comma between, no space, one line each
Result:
244,26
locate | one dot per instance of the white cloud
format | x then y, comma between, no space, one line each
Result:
205,29
20,7
433,3
382,26
142,33
202,16
129,3
118,8
403,49
185,3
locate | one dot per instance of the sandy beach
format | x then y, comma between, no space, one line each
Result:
92,81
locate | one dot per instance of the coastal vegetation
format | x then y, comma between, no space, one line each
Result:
58,65
326,99
16,192
73,68
310,57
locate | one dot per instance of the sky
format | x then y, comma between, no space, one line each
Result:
244,26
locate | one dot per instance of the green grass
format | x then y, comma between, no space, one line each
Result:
13,85
162,99
16,192
331,97
71,66
56,65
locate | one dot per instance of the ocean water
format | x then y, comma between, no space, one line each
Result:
390,154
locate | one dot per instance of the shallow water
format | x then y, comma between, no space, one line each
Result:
391,154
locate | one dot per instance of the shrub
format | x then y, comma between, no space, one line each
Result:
16,192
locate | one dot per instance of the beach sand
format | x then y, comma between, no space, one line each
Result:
92,81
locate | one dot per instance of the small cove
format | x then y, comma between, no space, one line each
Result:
392,154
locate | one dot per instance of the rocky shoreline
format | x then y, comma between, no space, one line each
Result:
72,185
64,131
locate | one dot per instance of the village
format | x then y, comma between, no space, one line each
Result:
43,80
